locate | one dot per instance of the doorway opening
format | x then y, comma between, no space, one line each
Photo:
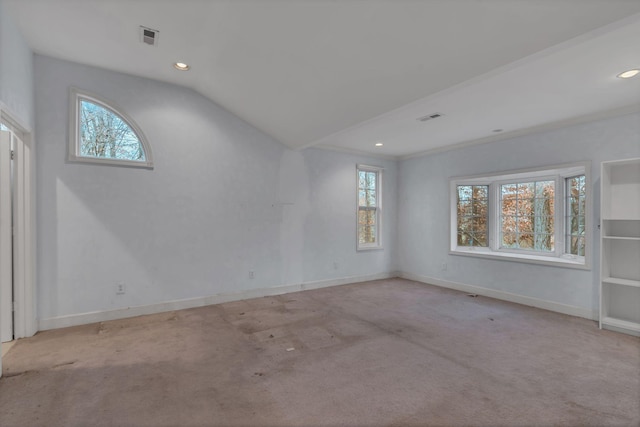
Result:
17,303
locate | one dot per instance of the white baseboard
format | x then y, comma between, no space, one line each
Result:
122,313
505,296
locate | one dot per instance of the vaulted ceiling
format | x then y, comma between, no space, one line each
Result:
349,74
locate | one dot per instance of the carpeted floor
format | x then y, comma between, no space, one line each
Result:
389,352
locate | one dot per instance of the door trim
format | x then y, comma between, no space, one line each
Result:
24,238
6,244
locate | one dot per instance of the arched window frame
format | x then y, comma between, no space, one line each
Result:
76,96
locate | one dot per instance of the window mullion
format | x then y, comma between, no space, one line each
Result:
559,216
494,217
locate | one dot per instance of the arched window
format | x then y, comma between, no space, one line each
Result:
102,133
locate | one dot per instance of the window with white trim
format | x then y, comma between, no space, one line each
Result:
527,215
576,207
99,132
536,215
369,214
472,207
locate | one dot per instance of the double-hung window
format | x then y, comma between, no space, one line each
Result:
539,216
369,214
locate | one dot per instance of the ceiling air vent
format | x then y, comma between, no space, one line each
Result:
429,117
149,36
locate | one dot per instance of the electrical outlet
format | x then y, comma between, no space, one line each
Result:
336,265
252,275
443,266
121,288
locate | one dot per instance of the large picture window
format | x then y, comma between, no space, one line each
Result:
527,215
101,133
534,216
369,207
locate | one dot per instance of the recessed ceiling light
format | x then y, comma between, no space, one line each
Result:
181,66
629,73
497,130
379,144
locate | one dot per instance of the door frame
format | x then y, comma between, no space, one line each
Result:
24,238
6,238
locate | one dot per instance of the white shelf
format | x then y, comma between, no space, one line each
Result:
620,181
619,323
623,282
621,228
620,246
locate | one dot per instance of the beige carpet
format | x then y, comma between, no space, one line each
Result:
389,352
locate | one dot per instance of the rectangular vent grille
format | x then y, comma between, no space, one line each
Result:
429,117
149,36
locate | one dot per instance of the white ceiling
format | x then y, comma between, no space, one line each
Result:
347,74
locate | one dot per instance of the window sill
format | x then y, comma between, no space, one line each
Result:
566,261
110,162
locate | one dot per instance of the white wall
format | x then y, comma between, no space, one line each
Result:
16,82
423,212
16,72
223,199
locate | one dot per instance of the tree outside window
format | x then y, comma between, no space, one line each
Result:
533,215
527,215
473,215
104,134
368,179
576,215
101,133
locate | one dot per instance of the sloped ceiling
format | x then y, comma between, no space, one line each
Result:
348,74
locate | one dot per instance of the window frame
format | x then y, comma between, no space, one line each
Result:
557,257
455,206
557,179
567,217
379,172
76,96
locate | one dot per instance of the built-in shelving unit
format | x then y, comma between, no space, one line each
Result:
620,246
